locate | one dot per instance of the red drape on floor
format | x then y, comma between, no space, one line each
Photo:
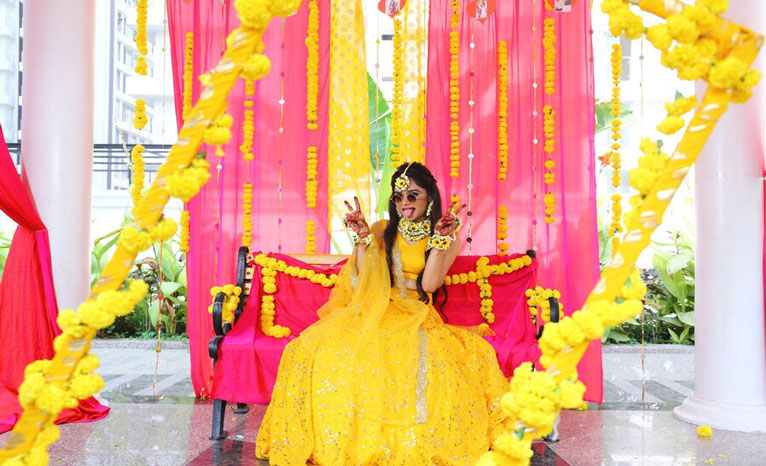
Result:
248,362
28,307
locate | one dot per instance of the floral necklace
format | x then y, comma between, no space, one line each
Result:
414,231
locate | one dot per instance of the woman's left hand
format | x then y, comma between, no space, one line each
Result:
449,223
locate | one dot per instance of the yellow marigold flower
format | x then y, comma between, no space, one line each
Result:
253,13
256,67
511,445
660,36
137,290
671,124
88,363
681,105
30,387
727,73
682,29
704,431
94,316
134,241
83,386
700,15
716,6
589,324
70,323
284,7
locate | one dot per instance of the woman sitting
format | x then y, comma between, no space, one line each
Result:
381,379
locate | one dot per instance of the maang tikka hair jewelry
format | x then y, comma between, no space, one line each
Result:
402,181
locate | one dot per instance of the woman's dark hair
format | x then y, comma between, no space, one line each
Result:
418,173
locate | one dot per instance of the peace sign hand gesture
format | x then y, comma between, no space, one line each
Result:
354,220
450,222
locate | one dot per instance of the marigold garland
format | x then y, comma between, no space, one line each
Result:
230,303
617,295
247,214
502,110
66,376
188,75
270,267
219,132
137,187
248,122
454,89
615,160
398,95
481,275
502,230
311,177
549,177
549,54
311,246
140,119
185,221
539,304
312,66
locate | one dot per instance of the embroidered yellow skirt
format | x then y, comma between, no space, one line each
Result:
391,385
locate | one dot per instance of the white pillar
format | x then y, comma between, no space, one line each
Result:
730,354
57,133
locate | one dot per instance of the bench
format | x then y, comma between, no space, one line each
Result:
246,360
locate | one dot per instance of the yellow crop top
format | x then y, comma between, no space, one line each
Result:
413,256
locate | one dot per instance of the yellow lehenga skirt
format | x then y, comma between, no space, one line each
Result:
381,380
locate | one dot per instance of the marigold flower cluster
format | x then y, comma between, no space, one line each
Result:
247,214
188,75
312,184
549,54
502,110
502,230
312,66
311,245
230,302
454,89
139,175
140,119
186,183
185,221
398,95
270,267
248,123
538,302
622,20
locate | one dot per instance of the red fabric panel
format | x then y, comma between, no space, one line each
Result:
248,359
28,307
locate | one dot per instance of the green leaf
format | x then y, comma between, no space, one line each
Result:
182,277
684,335
687,318
168,288
679,95
678,262
674,336
618,336
672,320
660,264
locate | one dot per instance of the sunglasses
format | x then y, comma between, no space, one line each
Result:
412,196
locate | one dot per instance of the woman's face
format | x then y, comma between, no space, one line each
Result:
412,203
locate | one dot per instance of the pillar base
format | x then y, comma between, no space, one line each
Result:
724,416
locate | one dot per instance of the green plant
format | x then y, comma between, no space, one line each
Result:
152,313
5,246
603,111
669,302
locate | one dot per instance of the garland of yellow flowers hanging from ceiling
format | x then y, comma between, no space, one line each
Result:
51,385
398,93
549,116
454,89
536,397
312,118
188,76
615,159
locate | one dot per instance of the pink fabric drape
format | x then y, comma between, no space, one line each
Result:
567,249
28,306
278,173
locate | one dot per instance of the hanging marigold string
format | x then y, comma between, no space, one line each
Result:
549,117
454,89
188,75
247,214
311,245
248,122
398,94
312,66
137,159
140,119
615,160
502,110
311,177
185,220
502,230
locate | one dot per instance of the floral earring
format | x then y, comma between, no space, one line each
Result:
398,213
430,205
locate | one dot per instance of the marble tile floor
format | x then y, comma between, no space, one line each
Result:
172,428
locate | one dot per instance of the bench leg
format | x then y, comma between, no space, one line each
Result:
554,435
242,408
219,410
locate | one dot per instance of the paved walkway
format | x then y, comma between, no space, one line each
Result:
128,368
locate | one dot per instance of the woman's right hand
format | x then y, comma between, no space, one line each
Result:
354,220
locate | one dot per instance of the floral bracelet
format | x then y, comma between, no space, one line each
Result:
439,242
366,240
